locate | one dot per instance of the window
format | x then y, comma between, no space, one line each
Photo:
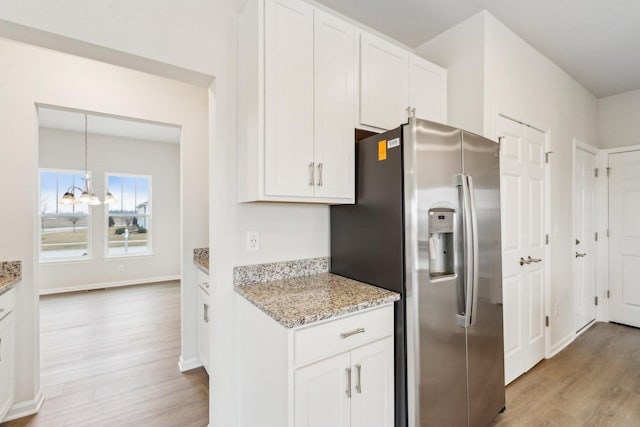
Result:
64,229
129,218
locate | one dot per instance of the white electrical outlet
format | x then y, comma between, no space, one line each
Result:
253,240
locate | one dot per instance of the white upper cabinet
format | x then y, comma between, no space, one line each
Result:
396,84
384,83
296,107
335,80
288,110
427,90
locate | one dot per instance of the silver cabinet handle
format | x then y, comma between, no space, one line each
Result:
358,378
311,175
408,110
413,112
579,255
348,391
1,310
533,259
319,174
354,332
205,284
206,313
524,261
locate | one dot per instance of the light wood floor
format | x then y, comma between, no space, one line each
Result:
593,382
110,358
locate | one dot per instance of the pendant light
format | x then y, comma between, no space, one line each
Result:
87,196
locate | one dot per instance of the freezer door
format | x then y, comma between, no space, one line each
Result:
435,338
484,334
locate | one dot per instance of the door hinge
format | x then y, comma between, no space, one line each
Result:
596,172
546,239
546,156
608,171
607,232
596,300
596,236
546,321
608,293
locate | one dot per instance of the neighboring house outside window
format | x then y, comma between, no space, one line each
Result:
64,229
129,218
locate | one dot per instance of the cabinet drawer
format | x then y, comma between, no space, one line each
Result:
7,302
326,339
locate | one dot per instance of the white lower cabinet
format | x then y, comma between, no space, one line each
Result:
335,373
204,316
7,337
351,389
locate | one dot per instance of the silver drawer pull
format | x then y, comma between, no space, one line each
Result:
534,259
358,379
206,313
354,332
205,284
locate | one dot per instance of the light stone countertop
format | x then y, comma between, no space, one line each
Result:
303,300
201,259
10,273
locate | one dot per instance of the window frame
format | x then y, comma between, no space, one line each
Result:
69,259
149,217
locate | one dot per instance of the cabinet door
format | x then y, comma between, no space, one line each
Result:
373,385
6,364
322,393
204,316
288,98
383,83
335,75
427,90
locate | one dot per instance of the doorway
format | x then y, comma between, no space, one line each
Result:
523,184
585,174
624,238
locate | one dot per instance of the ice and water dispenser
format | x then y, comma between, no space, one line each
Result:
441,243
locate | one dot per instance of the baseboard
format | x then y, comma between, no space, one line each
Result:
586,328
108,285
189,364
561,345
25,408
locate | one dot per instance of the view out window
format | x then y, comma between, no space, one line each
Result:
129,218
64,229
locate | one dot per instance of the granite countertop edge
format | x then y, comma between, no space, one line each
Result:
309,319
7,283
200,264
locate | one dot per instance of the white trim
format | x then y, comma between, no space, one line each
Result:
586,327
25,408
105,285
562,344
621,149
189,364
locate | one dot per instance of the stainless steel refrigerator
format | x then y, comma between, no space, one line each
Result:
426,223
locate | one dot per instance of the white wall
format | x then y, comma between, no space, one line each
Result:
461,51
60,149
619,120
31,75
520,81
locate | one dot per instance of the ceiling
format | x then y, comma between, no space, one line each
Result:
596,41
106,125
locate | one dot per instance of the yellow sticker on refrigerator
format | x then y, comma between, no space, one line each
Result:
382,150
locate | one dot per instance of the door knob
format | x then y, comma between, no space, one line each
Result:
579,255
533,260
524,261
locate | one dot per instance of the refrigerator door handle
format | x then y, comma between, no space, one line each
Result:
474,248
470,248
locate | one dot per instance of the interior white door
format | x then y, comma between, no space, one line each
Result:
624,239
522,163
322,393
585,256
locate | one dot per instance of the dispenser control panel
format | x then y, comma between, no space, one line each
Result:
440,221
